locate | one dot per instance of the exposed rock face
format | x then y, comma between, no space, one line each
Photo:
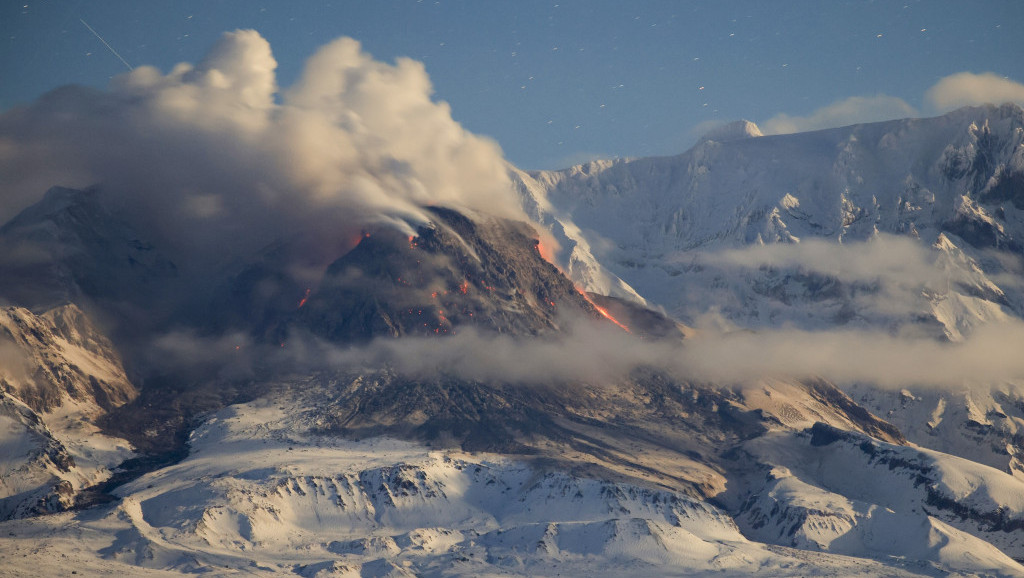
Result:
59,375
58,356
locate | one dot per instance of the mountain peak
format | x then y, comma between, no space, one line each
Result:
737,130
453,272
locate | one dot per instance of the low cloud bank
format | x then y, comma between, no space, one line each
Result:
602,355
989,356
900,272
598,354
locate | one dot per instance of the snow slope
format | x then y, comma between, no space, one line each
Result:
825,489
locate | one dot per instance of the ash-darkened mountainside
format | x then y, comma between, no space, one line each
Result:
248,322
452,273
459,332
71,248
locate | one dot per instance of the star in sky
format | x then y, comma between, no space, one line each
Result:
622,72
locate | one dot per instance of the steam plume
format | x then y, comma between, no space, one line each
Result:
213,160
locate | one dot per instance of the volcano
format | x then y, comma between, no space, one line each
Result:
453,273
437,397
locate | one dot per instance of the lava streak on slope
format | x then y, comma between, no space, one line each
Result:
304,299
604,312
545,251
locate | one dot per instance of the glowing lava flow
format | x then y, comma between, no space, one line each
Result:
603,311
545,252
304,299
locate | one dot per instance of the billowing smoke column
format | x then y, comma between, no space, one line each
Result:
214,162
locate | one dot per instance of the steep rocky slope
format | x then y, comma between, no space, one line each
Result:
59,376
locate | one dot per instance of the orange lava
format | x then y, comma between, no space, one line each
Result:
545,252
603,311
304,299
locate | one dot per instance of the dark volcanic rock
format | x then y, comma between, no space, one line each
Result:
454,273
70,247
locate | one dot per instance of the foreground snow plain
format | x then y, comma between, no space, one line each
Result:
262,494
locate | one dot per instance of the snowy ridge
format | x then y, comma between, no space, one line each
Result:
842,492
982,423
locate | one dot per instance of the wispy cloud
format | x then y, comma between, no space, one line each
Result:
953,91
852,110
967,88
891,258
883,278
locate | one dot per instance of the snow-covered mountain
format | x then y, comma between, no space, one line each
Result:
439,399
659,224
72,247
908,228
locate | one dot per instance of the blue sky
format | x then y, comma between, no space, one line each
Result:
560,82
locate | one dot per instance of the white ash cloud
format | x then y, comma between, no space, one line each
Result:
214,159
